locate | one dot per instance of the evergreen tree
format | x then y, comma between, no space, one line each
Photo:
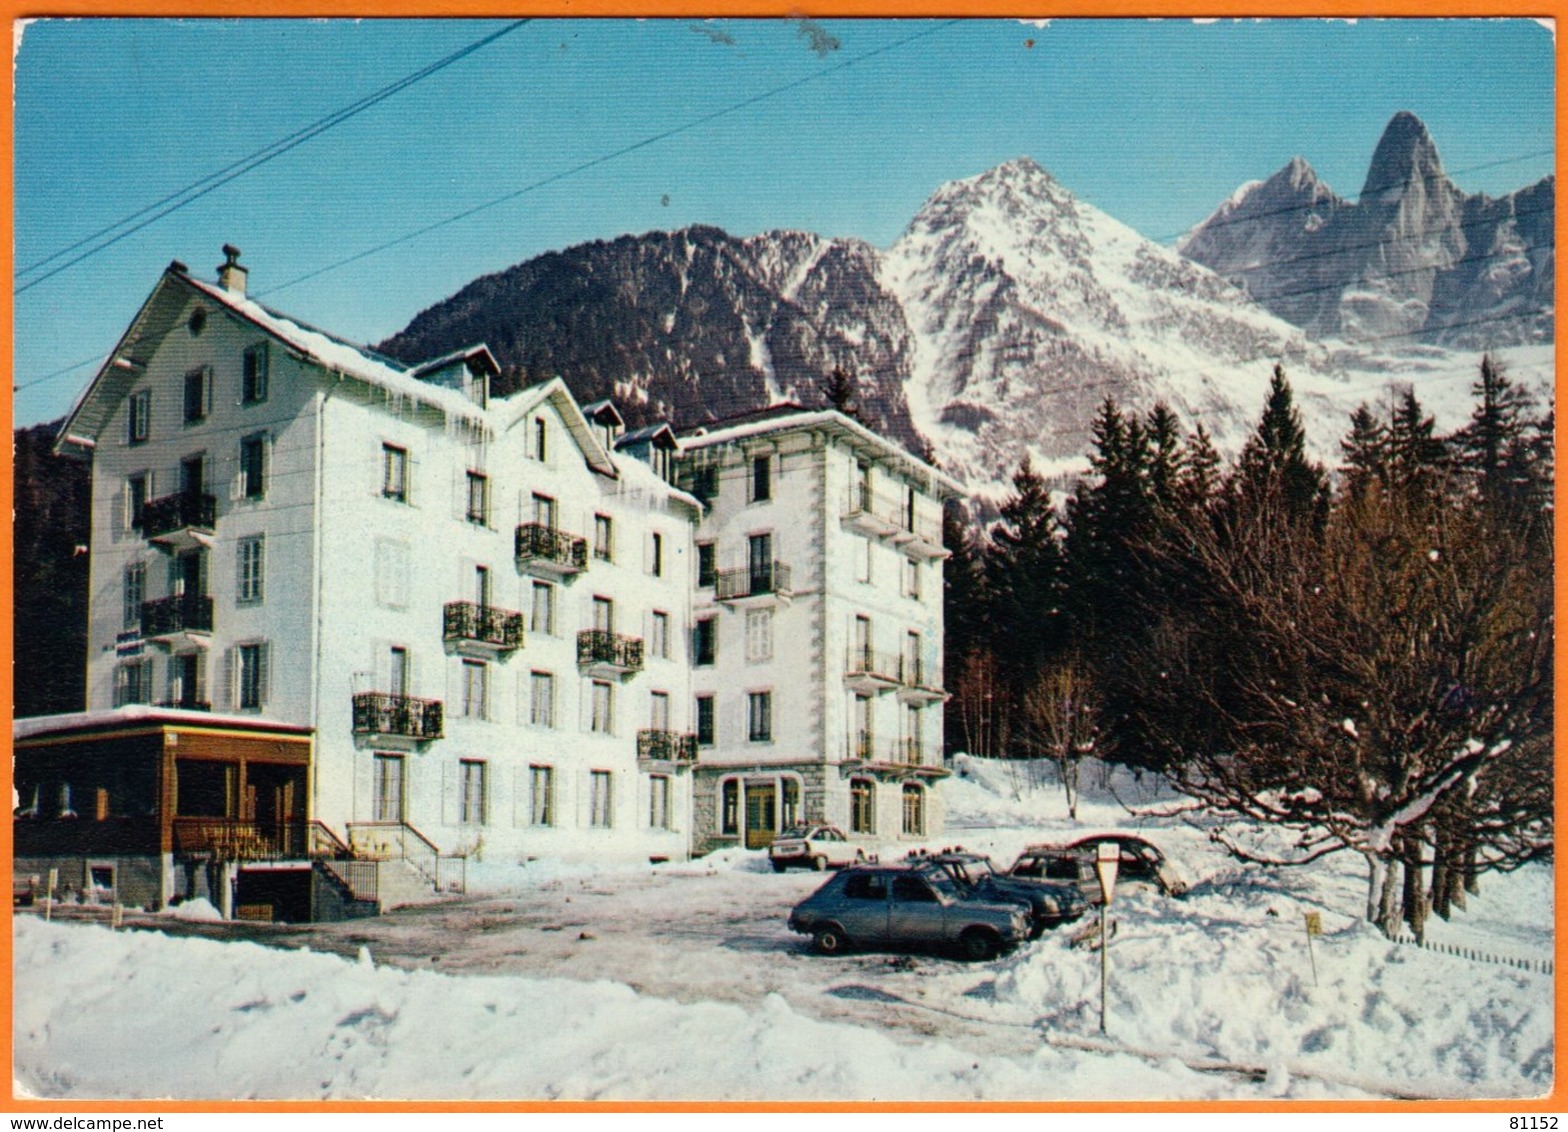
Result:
839,390
1163,431
1200,472
1365,453
1417,460
1023,572
1502,449
1274,464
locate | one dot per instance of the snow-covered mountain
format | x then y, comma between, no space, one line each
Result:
1003,316
1028,307
1414,255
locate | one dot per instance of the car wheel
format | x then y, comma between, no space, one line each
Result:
830,940
978,944
819,863
779,866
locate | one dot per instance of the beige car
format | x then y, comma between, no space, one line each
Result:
813,847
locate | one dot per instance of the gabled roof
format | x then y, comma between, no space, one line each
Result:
793,418
659,435
158,315
475,357
604,412
520,405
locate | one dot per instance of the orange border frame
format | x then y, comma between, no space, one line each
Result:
1556,1101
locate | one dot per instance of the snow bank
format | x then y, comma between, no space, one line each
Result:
255,1023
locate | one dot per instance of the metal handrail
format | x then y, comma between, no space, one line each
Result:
383,713
667,746
536,540
177,613
750,581
470,621
600,646
868,661
174,512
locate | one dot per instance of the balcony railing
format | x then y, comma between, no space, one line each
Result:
549,549
500,629
171,513
917,682
599,648
872,514
183,704
865,669
666,746
229,839
383,713
180,613
862,747
758,580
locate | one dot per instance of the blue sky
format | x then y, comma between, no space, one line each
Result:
1153,121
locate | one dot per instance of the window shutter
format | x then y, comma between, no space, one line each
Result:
264,676
228,693
363,805
451,794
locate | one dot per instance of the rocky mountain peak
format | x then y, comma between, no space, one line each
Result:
1405,156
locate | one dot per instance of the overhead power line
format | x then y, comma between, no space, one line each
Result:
215,180
644,143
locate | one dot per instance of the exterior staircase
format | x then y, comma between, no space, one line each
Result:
382,865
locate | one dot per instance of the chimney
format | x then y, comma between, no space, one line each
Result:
231,276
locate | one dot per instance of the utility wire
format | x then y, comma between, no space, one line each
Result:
651,139
213,181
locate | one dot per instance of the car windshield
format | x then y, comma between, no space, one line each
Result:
795,831
943,884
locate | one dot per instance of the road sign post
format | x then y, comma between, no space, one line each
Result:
1314,927
1106,860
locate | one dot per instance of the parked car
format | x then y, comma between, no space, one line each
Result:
813,847
1072,862
899,907
1050,904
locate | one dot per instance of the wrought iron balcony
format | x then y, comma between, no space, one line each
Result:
761,579
181,619
482,626
868,513
184,704
666,746
604,653
383,713
543,548
179,521
866,670
916,683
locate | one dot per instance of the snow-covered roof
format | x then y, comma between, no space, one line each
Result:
476,356
157,316
508,412
800,420
660,430
639,476
29,727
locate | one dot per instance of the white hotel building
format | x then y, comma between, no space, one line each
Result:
345,607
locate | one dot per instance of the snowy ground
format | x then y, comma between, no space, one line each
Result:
680,982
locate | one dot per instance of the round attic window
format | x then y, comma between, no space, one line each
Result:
198,321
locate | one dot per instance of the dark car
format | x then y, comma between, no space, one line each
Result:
901,907
1139,861
1050,904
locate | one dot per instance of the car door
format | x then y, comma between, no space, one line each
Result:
917,915
863,910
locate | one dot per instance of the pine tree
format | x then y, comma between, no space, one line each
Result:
1502,449
1365,453
839,390
1274,464
1023,576
1417,459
